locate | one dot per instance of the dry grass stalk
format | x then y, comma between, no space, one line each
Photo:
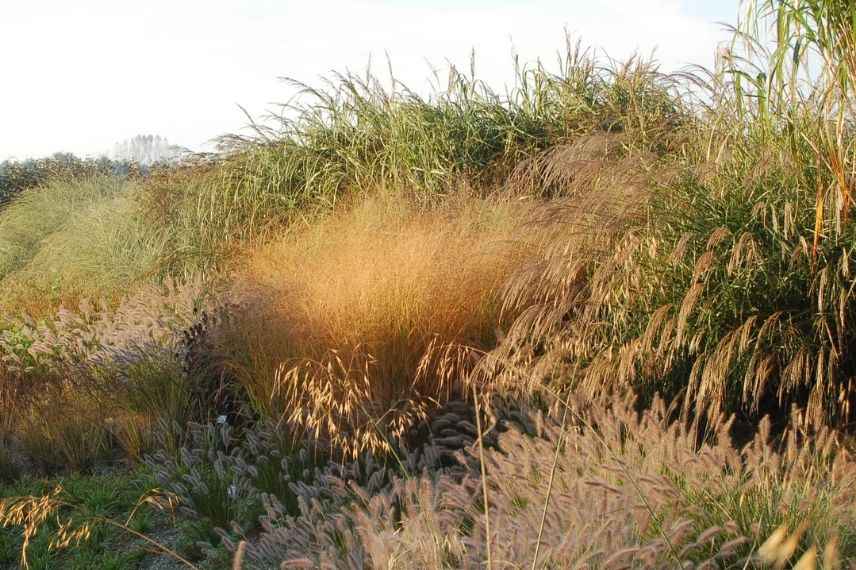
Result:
486,503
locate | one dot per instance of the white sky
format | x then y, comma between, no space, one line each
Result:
79,76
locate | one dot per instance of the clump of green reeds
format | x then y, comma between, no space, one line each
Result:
355,134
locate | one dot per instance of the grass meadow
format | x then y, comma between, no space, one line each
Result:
600,320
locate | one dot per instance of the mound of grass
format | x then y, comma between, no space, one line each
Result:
71,239
354,328
353,135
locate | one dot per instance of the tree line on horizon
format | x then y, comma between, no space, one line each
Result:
134,155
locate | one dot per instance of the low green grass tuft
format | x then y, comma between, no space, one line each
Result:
112,496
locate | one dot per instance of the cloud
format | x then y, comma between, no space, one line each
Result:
80,76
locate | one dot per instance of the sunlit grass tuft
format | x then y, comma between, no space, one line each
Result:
355,328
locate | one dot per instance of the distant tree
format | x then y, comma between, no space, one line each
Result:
147,150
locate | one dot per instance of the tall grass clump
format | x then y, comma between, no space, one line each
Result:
356,133
738,288
353,329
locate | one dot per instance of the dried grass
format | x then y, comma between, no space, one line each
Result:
355,329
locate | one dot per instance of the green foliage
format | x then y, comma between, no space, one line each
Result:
355,135
113,496
756,242
17,176
76,236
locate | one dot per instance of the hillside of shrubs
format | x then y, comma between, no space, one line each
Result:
602,319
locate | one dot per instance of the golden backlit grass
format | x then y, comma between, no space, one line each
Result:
356,327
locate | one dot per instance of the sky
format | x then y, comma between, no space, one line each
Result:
80,75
